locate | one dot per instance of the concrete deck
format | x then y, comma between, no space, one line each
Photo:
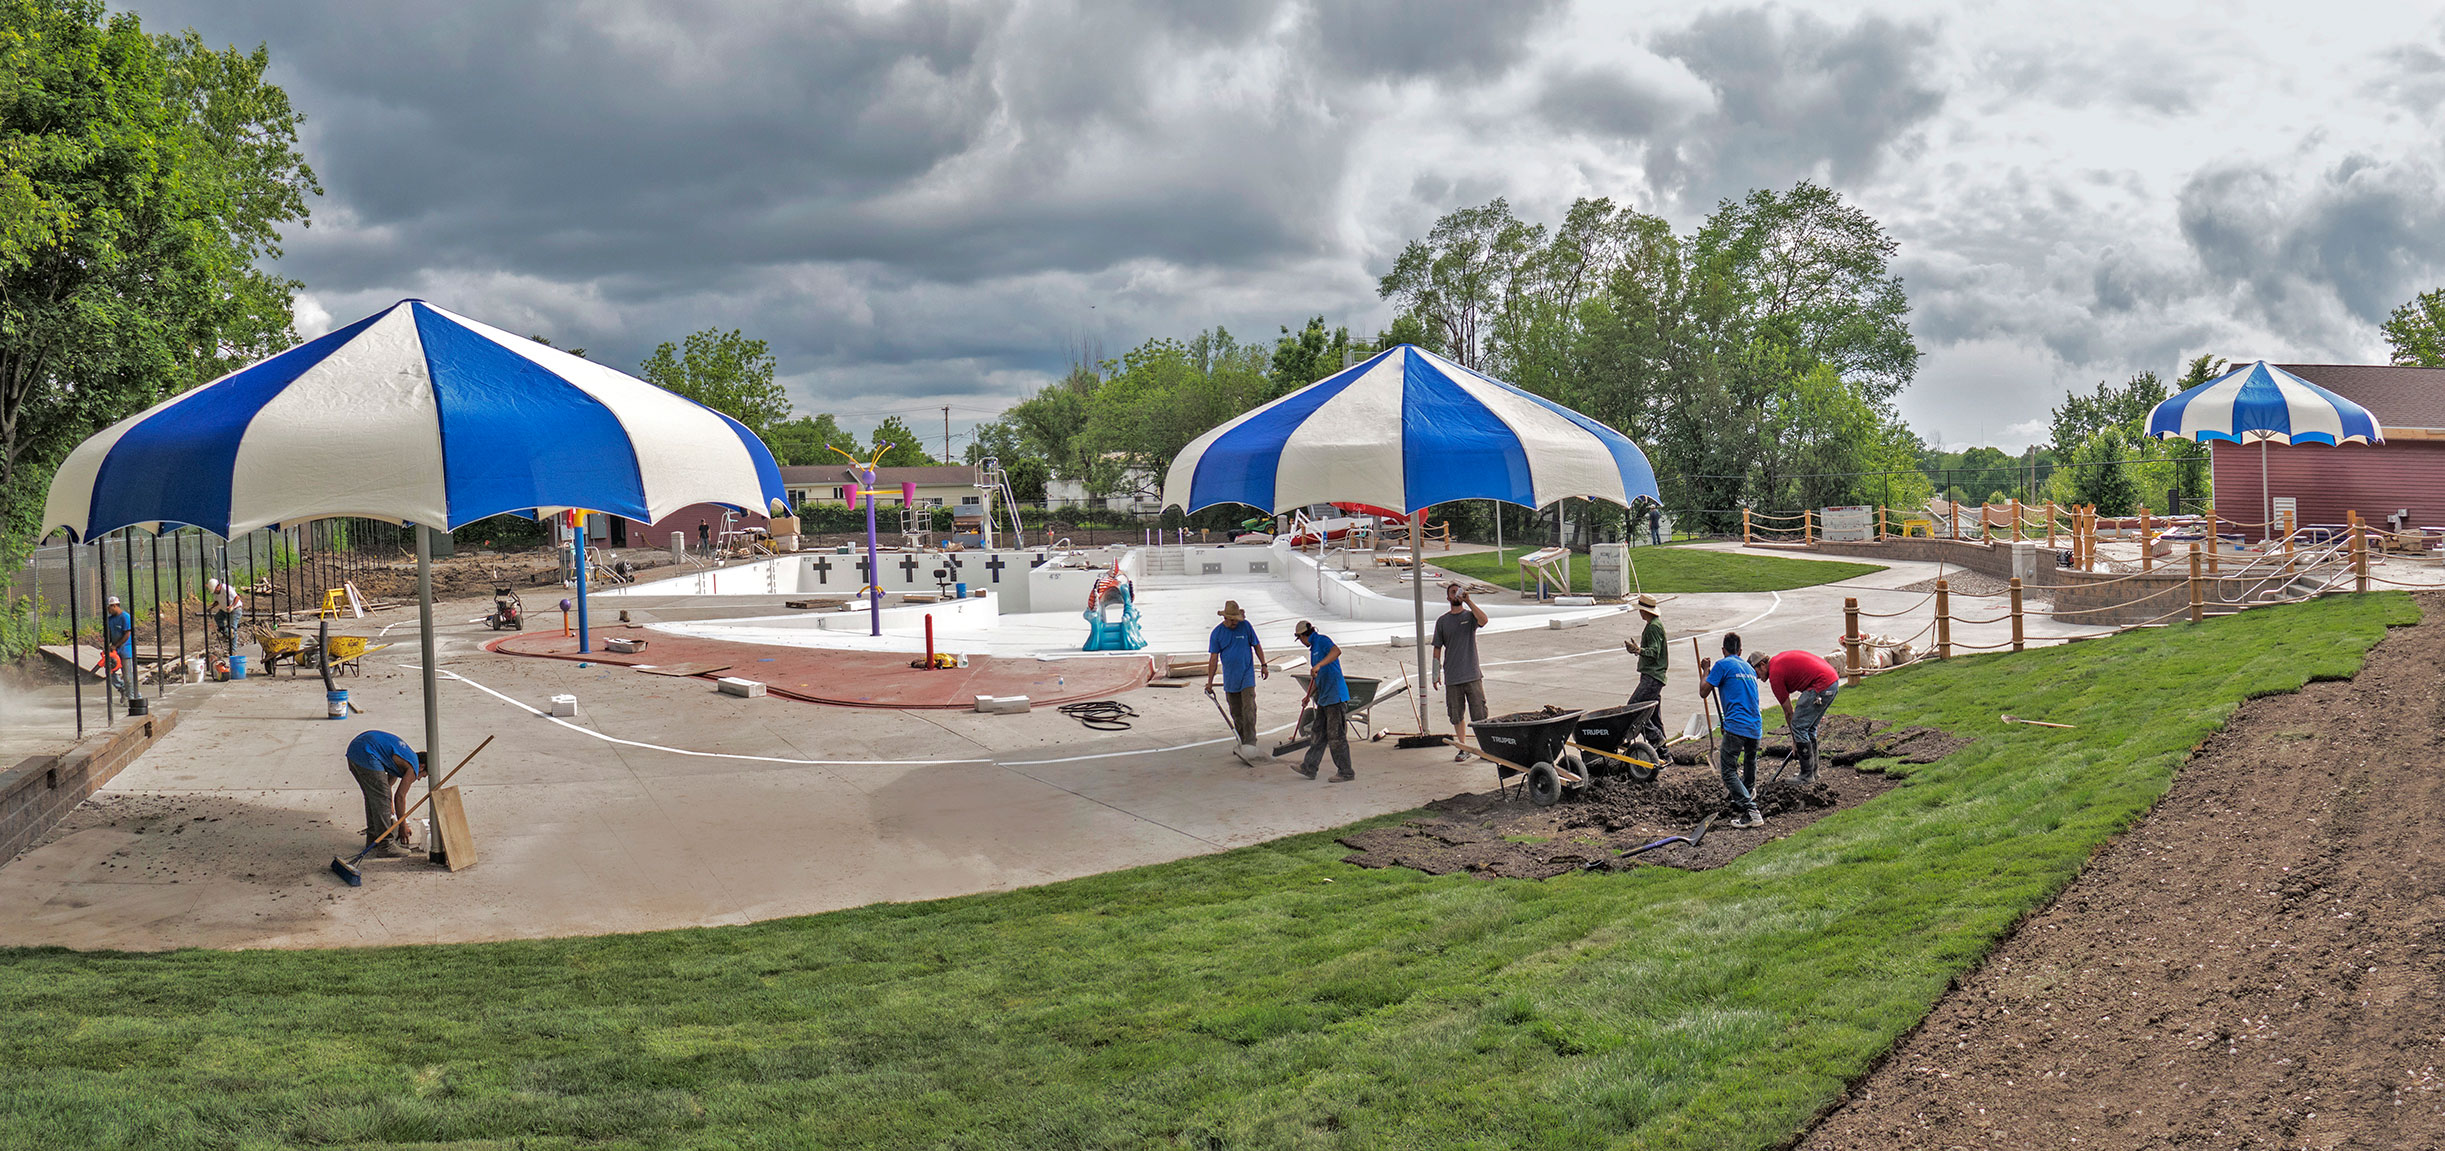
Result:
664,804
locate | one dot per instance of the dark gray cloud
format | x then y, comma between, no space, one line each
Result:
2128,75
2320,259
1425,39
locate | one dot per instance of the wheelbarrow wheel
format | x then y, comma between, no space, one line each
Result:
1544,785
1639,748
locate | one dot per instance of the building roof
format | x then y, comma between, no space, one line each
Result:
2398,397
938,476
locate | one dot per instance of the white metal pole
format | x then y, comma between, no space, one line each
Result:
432,709
1417,596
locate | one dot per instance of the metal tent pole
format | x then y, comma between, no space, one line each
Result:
577,524
1417,596
424,608
2266,503
76,674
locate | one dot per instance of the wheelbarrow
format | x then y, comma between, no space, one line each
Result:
1364,695
1532,750
1603,746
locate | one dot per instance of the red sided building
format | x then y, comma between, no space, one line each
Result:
2403,476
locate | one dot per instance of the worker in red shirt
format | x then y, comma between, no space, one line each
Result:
1805,685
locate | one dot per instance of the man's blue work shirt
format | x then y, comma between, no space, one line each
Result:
1236,644
119,631
1330,687
373,750
1736,686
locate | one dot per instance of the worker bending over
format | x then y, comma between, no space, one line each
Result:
1730,680
1330,693
1456,672
227,610
384,766
1805,685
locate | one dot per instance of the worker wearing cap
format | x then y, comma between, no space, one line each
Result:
1731,680
1330,694
1805,685
119,646
1234,649
1456,668
384,766
1654,657
227,610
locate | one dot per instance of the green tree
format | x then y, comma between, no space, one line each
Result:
1455,280
2416,331
724,371
1303,357
1004,444
1165,393
143,183
1053,422
2101,473
905,448
808,442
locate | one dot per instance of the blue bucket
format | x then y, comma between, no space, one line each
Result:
339,703
963,591
237,667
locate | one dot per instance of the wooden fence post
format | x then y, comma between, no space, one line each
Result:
1880,523
1745,537
1850,636
2147,546
2016,613
1956,506
1808,526
2196,615
2050,523
1944,619
2215,539
2289,543
2016,519
2360,555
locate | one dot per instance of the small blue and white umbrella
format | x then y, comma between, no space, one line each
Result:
1408,429
2263,404
417,416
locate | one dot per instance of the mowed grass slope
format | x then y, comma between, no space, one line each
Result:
1672,569
1266,997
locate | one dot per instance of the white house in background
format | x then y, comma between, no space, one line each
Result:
1140,490
945,486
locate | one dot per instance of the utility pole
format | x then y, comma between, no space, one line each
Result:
946,433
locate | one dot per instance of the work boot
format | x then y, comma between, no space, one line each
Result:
1751,818
392,849
1345,778
1305,772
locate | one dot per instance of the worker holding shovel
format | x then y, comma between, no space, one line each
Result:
1330,694
1236,651
384,766
1804,683
1730,680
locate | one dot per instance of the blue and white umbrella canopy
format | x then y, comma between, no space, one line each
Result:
414,415
1407,429
2263,403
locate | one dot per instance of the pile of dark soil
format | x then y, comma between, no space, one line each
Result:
1853,741
1503,835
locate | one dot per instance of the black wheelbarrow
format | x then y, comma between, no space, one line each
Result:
1604,744
1363,698
1532,749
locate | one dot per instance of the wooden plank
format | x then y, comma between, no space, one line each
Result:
684,669
450,825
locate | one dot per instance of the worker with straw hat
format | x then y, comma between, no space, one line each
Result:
1654,658
1234,649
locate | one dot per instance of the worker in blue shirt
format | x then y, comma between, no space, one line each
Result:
1236,651
1730,680
119,646
384,766
1330,694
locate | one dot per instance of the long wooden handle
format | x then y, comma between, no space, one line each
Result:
1696,654
445,782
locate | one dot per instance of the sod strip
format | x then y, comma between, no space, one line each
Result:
1671,570
1269,996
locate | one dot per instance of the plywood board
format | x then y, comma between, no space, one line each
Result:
450,826
684,669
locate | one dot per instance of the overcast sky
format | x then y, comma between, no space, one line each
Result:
926,204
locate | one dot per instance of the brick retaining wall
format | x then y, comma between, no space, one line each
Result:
39,792
2100,598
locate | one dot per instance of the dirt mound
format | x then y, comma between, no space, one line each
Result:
1503,835
1854,741
2255,964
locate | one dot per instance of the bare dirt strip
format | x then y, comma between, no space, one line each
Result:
2256,964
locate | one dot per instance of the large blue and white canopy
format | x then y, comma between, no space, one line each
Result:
414,415
2261,403
1405,430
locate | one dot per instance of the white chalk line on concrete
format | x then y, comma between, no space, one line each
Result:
607,738
1770,610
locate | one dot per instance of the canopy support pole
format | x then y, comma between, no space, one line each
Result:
2266,502
424,607
1417,595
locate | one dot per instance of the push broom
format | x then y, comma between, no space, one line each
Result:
348,872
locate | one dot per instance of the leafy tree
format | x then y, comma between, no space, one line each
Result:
1165,393
724,371
1026,469
2101,473
1303,357
1053,422
905,449
143,181
2416,331
808,442
1455,279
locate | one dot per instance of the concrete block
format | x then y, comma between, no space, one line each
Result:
1002,704
624,645
1574,601
1401,639
743,688
564,706
1559,624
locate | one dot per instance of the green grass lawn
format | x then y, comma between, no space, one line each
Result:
1671,569
1265,997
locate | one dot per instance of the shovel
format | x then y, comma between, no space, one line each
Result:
348,872
1248,753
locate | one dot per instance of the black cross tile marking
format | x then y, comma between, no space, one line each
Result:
823,571
995,565
908,568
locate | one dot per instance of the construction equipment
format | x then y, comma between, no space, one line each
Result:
348,872
1360,709
1608,735
1532,749
507,611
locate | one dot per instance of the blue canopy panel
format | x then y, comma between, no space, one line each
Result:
1240,464
514,435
